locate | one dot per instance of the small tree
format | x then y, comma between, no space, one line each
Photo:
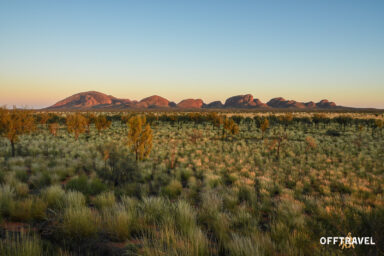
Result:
277,144
77,124
318,118
343,121
14,123
264,126
91,118
218,122
230,127
107,150
139,136
212,116
43,119
172,159
286,120
102,123
249,122
53,128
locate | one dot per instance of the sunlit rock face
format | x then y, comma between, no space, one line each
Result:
190,103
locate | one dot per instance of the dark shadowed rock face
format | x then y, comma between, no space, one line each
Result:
277,102
190,103
155,101
260,104
283,103
310,104
295,104
325,104
214,104
243,101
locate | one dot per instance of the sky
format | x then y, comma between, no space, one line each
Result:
210,49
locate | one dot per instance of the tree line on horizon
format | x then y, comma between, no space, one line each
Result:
17,122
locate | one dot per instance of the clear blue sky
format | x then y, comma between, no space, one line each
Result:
212,49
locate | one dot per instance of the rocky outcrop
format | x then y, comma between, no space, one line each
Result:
325,104
98,100
190,103
88,100
282,103
154,102
214,104
310,104
243,101
260,104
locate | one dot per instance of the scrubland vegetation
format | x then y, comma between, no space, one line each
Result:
189,184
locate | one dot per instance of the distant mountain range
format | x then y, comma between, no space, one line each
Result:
98,100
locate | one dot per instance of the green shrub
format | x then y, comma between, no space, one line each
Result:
228,178
7,203
243,220
29,209
78,184
80,223
39,209
21,189
244,246
54,196
290,212
339,187
185,218
96,186
132,189
41,180
23,210
22,175
173,189
244,194
104,200
129,203
118,222
169,242
153,210
185,174
74,199
86,186
2,175
21,245
124,169
216,223
275,189
334,133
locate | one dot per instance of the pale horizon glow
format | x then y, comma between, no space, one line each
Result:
298,50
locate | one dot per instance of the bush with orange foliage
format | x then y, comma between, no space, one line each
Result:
102,123
140,136
14,123
77,124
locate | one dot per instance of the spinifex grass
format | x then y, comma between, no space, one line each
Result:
197,193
